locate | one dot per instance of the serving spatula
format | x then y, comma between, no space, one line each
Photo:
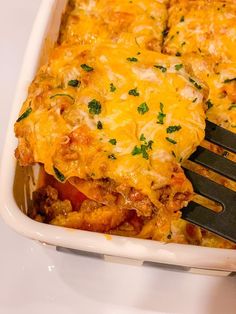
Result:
222,223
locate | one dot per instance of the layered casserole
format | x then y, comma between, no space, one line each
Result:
118,108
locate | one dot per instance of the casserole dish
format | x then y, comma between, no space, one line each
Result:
17,185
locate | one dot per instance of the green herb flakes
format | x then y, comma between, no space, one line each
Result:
178,54
142,137
134,92
181,19
178,67
62,95
112,88
209,104
143,108
173,128
99,125
25,114
171,140
94,107
112,141
143,149
165,32
59,175
86,68
132,59
161,115
195,84
74,83
230,80
160,67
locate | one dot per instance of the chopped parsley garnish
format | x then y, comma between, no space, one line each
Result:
163,69
134,92
99,125
86,68
181,19
62,95
132,59
232,107
112,141
138,53
165,32
74,83
112,156
143,148
183,43
140,150
149,145
59,175
143,108
142,137
198,86
230,80
161,115
178,67
195,99
94,107
136,151
173,128
24,114
209,104
173,153
171,140
178,54
112,88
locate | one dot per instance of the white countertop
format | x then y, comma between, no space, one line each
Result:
38,279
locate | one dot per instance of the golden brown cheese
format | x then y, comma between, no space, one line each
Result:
130,121
221,80
204,27
129,22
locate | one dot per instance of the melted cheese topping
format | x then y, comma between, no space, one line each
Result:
150,110
221,108
205,27
129,22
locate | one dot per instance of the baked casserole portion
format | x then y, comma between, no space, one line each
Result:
115,123
139,22
204,33
221,79
203,27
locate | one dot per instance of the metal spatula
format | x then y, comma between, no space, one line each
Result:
221,223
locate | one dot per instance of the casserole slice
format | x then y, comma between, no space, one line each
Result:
221,80
129,22
203,27
116,123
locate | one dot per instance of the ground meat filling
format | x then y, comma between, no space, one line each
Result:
109,207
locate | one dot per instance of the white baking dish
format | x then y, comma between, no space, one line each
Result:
14,183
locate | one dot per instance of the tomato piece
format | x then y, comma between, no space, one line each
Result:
66,191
